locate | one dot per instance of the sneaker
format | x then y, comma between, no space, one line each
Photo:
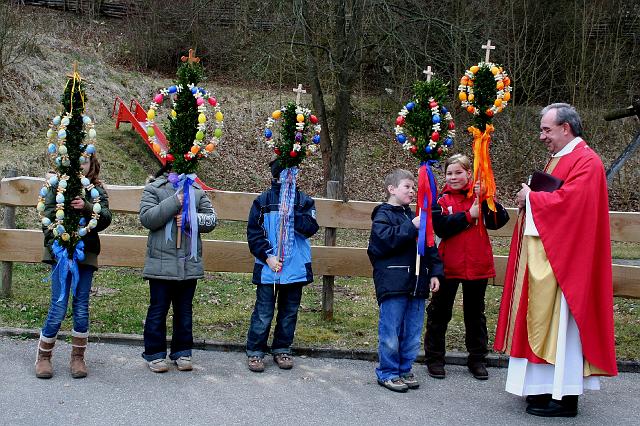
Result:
396,384
158,365
410,380
479,371
436,371
184,363
256,364
284,361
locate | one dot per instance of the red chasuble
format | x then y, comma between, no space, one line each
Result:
573,223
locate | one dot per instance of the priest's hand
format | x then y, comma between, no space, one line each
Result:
521,197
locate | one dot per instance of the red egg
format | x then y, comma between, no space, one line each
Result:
413,149
293,154
313,119
170,158
212,101
433,104
452,125
435,136
399,120
276,151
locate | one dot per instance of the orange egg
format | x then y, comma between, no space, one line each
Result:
276,114
210,147
470,83
489,113
195,149
499,85
497,103
464,80
507,81
500,109
471,109
462,96
156,148
506,96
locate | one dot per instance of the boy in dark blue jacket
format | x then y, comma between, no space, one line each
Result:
401,294
275,278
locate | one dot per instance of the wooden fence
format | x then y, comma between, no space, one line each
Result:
19,245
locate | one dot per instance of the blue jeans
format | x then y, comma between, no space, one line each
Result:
399,333
163,294
288,298
80,304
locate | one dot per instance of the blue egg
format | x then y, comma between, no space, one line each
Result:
91,149
57,161
86,119
194,90
444,110
82,232
63,184
410,106
51,149
59,198
268,133
435,118
82,221
43,191
56,120
448,142
401,138
85,182
316,139
53,180
62,134
60,229
428,149
172,89
94,193
46,221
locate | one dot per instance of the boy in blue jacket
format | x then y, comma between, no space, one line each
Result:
275,279
400,293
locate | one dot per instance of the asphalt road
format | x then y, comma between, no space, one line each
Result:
121,390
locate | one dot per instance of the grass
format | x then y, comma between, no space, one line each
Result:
224,301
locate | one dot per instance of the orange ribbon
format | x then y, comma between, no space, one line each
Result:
482,171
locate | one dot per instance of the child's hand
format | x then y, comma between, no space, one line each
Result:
416,222
434,285
474,211
179,219
274,264
77,203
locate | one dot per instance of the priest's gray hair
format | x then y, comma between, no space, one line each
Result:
566,113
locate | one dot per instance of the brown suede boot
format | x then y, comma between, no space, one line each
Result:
78,366
44,368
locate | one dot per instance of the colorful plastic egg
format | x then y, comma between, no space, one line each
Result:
82,232
399,120
63,150
268,133
410,106
63,184
93,223
65,237
94,193
158,98
85,181
65,162
276,114
86,119
172,89
219,116
199,101
174,114
62,134
150,131
435,119
97,208
435,136
199,135
53,180
151,114
212,101
56,120
92,133
91,149
401,138
313,119
65,121
202,118
60,214
217,132
46,221
316,139
50,133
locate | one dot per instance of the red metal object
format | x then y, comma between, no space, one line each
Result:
137,116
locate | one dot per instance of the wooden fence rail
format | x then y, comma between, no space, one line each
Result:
17,245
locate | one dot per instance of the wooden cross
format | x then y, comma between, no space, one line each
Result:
192,57
428,73
74,71
299,92
488,47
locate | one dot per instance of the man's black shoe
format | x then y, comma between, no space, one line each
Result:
479,371
539,400
567,407
436,371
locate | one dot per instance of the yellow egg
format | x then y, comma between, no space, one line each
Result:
276,114
462,96
497,103
471,97
151,114
174,114
219,116
300,118
202,118
65,237
474,69
494,70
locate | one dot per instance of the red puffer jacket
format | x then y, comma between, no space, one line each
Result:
465,248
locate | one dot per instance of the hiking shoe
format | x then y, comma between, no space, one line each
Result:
184,363
410,380
479,371
256,364
158,365
396,384
436,371
284,361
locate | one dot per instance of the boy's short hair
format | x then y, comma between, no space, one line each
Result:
395,177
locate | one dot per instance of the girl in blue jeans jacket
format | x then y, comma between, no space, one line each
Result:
80,304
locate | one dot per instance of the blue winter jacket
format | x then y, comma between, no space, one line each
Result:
262,236
392,252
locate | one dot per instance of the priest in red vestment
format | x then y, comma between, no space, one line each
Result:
556,314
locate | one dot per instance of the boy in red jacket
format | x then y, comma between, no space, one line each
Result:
466,252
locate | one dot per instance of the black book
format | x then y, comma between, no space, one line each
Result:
541,181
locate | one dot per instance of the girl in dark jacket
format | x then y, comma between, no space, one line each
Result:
466,252
86,269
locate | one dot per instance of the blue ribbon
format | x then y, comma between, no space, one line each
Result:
64,265
422,231
184,183
285,210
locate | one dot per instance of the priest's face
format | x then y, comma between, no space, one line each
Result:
554,136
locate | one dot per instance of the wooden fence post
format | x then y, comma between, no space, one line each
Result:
329,240
9,222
